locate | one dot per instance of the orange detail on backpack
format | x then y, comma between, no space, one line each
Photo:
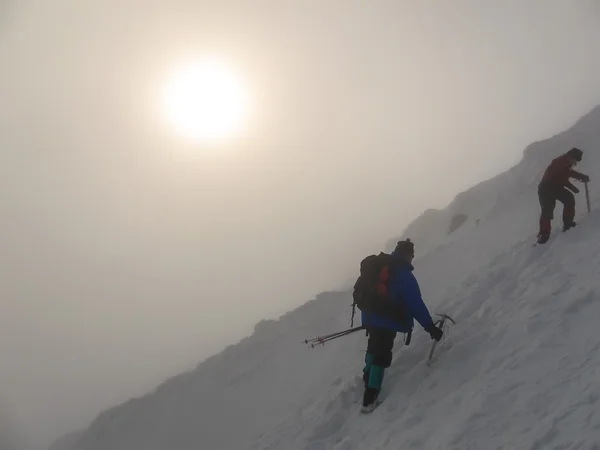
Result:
382,281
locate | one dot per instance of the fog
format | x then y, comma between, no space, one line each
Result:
129,254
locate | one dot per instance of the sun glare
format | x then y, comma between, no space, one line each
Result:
205,101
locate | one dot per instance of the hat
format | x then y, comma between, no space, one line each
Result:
405,247
575,153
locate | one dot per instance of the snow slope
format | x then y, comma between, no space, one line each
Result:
521,370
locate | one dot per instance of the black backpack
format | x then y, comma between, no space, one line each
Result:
371,288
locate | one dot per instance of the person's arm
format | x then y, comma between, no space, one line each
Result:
413,300
578,176
571,187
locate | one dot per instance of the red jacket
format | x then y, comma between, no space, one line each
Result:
559,171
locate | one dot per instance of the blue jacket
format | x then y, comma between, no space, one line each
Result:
404,290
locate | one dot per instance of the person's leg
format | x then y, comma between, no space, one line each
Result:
548,203
369,357
379,347
567,198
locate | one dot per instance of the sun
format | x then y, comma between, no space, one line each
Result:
205,101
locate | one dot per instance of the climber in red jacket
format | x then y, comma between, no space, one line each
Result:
554,185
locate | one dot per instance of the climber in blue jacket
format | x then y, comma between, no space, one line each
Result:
404,294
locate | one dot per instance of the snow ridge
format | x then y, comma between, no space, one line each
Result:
518,371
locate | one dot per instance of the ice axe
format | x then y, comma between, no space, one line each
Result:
587,196
439,323
443,319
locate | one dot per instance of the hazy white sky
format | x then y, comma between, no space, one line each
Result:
129,255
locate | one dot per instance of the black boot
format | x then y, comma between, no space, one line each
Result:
370,399
567,226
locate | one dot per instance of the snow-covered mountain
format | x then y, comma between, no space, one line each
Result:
520,370
66,441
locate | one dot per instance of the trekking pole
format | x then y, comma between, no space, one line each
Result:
329,337
322,339
587,196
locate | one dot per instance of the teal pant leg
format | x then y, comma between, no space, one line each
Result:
376,377
369,358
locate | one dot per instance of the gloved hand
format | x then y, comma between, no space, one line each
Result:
570,186
585,178
435,332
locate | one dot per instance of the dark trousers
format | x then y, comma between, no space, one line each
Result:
548,194
380,345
